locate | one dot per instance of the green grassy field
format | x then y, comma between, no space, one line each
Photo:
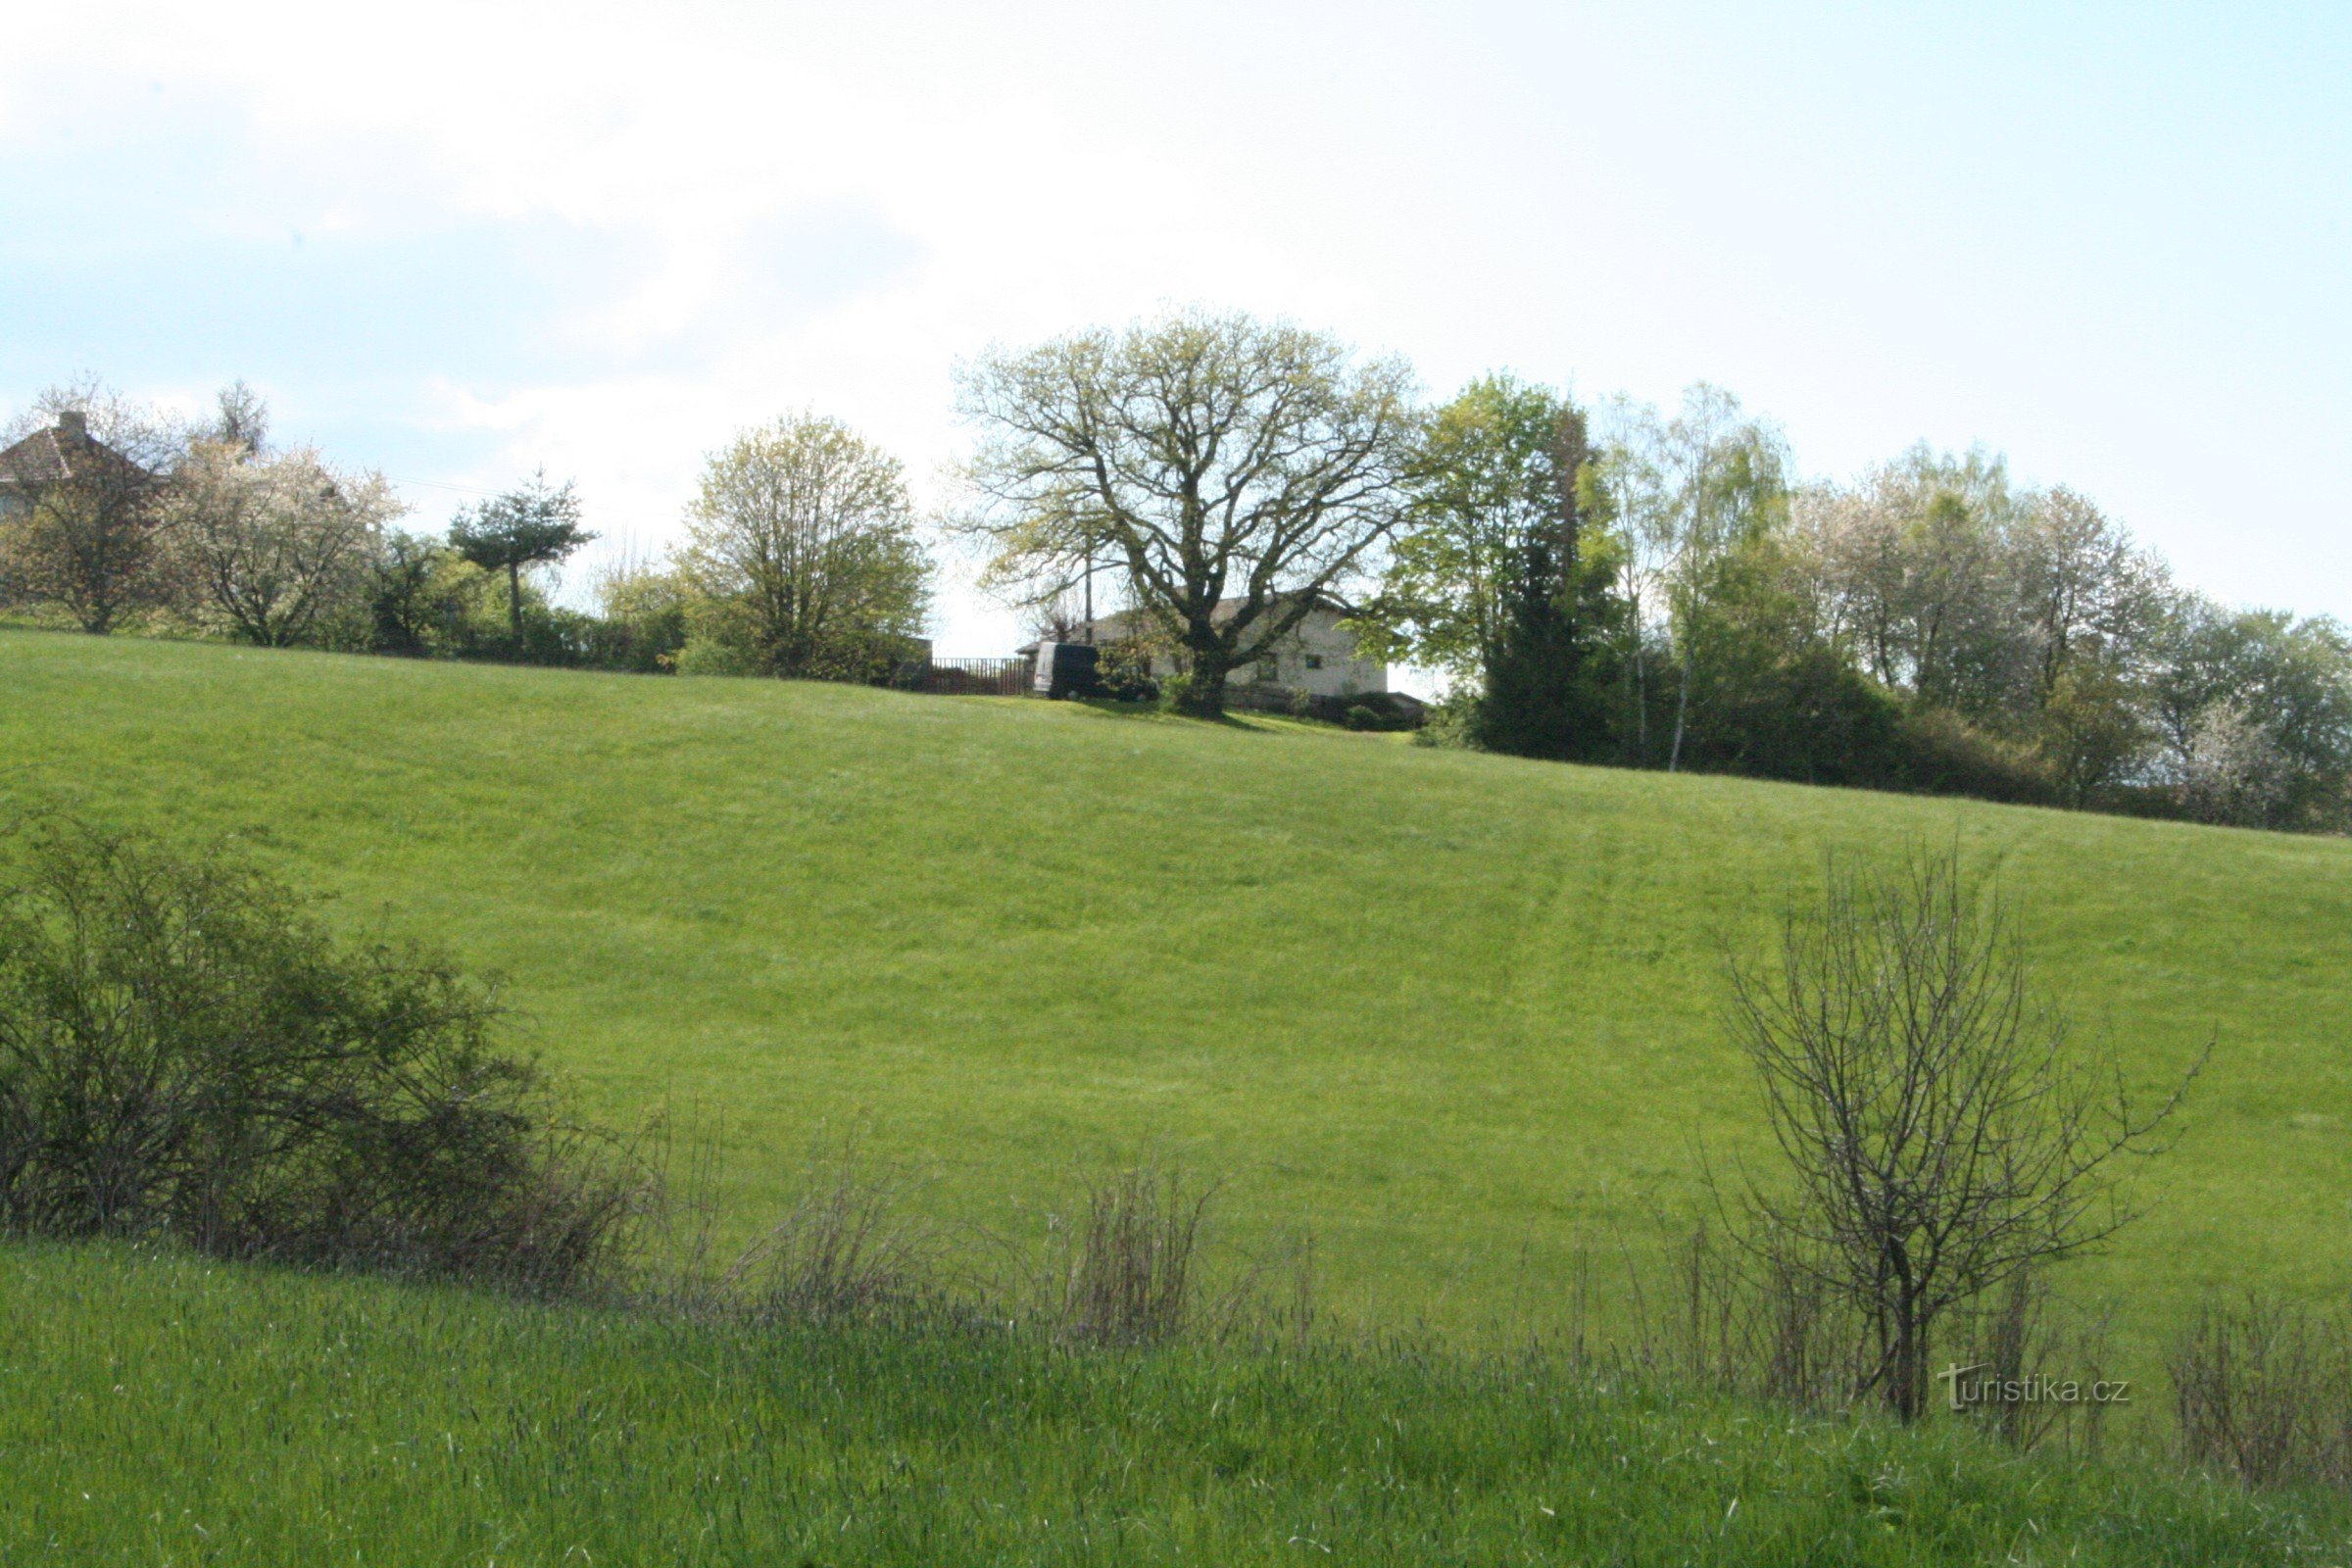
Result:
1457,1015
156,1411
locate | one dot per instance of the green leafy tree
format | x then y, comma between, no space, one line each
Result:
410,597
803,559
1771,697
1238,473
529,525
1924,579
1492,579
1687,491
2257,689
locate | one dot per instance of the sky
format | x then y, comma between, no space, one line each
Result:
457,243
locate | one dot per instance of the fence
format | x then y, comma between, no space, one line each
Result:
977,677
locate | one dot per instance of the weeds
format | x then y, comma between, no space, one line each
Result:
2264,1392
846,1251
1128,1274
160,1409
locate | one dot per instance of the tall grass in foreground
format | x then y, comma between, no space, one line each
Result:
156,1408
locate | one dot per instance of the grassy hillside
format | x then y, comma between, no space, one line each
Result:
154,1410
1457,1014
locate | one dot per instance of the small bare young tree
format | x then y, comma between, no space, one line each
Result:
1942,1133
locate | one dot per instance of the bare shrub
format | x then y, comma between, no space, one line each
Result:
1128,1276
1130,1265
185,1052
847,1250
2023,1336
1723,1317
2264,1392
84,531
1941,1130
1750,1319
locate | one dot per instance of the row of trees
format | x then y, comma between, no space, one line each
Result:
1631,586
1614,584
803,556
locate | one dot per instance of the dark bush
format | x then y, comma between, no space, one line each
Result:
1803,716
1125,672
410,602
185,1052
1944,755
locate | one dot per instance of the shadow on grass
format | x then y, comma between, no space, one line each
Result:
1245,722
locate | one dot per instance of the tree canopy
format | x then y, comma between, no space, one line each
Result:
1495,577
802,555
275,543
1237,473
529,525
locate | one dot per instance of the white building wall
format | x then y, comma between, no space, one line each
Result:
1318,657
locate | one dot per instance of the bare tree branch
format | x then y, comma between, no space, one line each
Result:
1943,1134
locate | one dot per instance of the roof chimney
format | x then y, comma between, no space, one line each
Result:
73,424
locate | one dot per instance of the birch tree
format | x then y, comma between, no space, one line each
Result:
1698,484
1628,491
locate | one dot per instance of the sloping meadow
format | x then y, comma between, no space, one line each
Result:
1459,1017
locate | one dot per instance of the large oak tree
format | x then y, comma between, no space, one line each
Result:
1236,473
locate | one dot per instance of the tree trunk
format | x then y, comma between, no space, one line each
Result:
1906,1379
1205,693
1682,710
514,601
1638,676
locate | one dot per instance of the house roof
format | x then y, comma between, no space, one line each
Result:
64,451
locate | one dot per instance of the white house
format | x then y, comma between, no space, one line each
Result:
1316,657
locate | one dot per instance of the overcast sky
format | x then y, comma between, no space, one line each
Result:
456,243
